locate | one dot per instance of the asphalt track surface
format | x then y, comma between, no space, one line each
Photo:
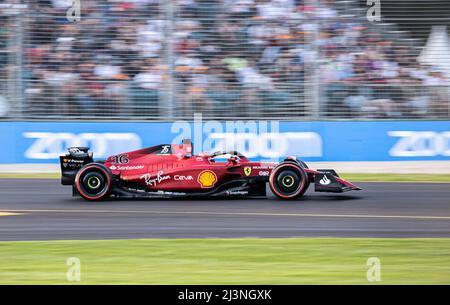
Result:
33,209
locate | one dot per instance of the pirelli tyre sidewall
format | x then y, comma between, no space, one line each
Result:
94,182
288,181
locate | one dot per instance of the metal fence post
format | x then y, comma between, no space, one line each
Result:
312,84
19,62
168,7
15,63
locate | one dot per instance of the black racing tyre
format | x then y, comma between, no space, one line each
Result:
299,162
94,182
288,181
303,164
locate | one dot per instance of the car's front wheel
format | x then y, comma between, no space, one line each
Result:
94,182
288,181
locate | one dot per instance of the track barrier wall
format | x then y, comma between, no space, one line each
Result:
43,142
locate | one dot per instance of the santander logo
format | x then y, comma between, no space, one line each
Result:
325,180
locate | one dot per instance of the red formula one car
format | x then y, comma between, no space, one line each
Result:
173,171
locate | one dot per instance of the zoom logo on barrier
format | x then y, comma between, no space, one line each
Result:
268,145
50,145
420,144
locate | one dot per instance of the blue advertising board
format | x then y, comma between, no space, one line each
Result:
43,142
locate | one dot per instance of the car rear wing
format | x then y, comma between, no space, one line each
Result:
76,158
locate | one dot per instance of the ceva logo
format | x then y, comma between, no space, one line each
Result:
420,144
50,145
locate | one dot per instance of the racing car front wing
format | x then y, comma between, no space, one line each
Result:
327,180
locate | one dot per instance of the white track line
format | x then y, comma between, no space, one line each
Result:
418,217
9,213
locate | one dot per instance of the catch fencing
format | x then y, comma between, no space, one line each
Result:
265,59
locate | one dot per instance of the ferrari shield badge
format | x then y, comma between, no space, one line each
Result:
247,170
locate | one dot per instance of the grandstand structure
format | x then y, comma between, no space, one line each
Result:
169,59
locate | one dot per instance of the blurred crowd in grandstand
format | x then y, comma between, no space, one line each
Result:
245,56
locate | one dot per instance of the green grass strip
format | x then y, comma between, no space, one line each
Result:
30,175
227,261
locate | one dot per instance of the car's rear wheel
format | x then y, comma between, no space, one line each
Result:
288,181
94,182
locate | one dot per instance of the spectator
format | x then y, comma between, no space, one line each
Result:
217,55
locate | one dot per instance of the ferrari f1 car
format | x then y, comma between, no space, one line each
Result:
171,170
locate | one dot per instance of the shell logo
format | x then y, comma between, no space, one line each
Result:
207,179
